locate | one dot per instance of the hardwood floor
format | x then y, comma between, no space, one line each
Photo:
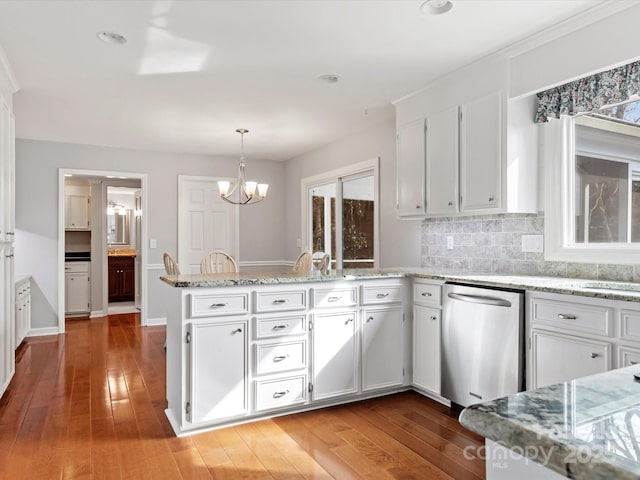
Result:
90,405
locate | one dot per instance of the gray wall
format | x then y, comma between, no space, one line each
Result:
37,164
399,239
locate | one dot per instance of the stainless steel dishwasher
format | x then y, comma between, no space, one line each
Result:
482,343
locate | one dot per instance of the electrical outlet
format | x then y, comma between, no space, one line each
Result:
450,242
298,243
533,243
153,243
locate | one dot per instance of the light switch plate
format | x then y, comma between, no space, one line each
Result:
450,242
533,243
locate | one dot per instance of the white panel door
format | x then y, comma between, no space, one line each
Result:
137,228
382,348
206,222
411,169
442,162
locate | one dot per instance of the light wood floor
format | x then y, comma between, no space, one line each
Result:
90,404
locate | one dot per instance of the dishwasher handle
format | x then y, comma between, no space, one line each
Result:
497,302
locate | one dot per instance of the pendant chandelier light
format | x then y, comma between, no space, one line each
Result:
248,192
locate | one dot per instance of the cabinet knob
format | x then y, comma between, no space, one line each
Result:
450,204
348,320
370,319
595,355
492,198
418,206
426,294
237,330
433,317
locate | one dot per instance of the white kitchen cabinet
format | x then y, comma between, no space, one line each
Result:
23,309
427,323
77,288
77,212
7,325
481,155
442,162
559,358
218,361
7,171
335,360
382,347
411,158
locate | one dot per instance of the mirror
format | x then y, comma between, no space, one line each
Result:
118,228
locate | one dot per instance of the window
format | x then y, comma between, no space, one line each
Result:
593,190
340,215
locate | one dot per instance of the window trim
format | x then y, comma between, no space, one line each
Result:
333,175
559,204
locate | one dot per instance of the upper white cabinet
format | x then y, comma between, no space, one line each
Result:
442,162
77,210
411,151
481,154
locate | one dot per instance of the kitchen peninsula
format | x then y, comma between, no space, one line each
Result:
247,346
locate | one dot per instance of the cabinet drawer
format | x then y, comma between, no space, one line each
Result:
280,326
215,305
271,358
628,356
630,325
572,316
427,293
281,301
335,297
76,267
280,393
374,294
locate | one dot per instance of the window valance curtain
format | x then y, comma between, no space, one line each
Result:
589,93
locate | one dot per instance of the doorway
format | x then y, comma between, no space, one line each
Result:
98,183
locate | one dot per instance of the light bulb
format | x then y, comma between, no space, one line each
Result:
250,188
262,189
223,186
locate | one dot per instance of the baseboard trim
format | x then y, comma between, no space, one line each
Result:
152,322
42,331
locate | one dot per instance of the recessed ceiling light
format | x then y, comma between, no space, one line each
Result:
436,7
111,37
329,78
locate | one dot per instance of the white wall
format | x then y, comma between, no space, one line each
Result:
37,164
399,239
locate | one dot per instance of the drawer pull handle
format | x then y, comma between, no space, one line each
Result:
632,363
426,294
370,319
280,327
218,305
280,358
280,394
595,355
237,330
567,316
450,204
348,320
279,302
382,295
333,299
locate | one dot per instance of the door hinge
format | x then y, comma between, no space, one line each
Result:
403,317
460,114
529,343
310,387
188,337
187,408
403,373
310,325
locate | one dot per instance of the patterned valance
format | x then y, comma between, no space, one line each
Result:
589,93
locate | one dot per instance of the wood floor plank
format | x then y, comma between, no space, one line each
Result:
90,405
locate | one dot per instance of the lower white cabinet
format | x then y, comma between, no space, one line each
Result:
335,371
426,347
558,358
219,371
23,309
77,288
382,347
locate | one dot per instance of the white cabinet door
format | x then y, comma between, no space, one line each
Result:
411,163
426,348
559,358
442,162
218,366
382,348
7,172
76,212
334,354
481,153
77,293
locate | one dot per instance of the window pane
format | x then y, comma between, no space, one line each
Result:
322,214
601,200
635,210
358,222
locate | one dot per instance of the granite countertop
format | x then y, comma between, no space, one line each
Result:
121,252
586,429
627,291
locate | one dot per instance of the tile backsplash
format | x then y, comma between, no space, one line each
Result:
492,244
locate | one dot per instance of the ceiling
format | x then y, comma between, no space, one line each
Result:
191,72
